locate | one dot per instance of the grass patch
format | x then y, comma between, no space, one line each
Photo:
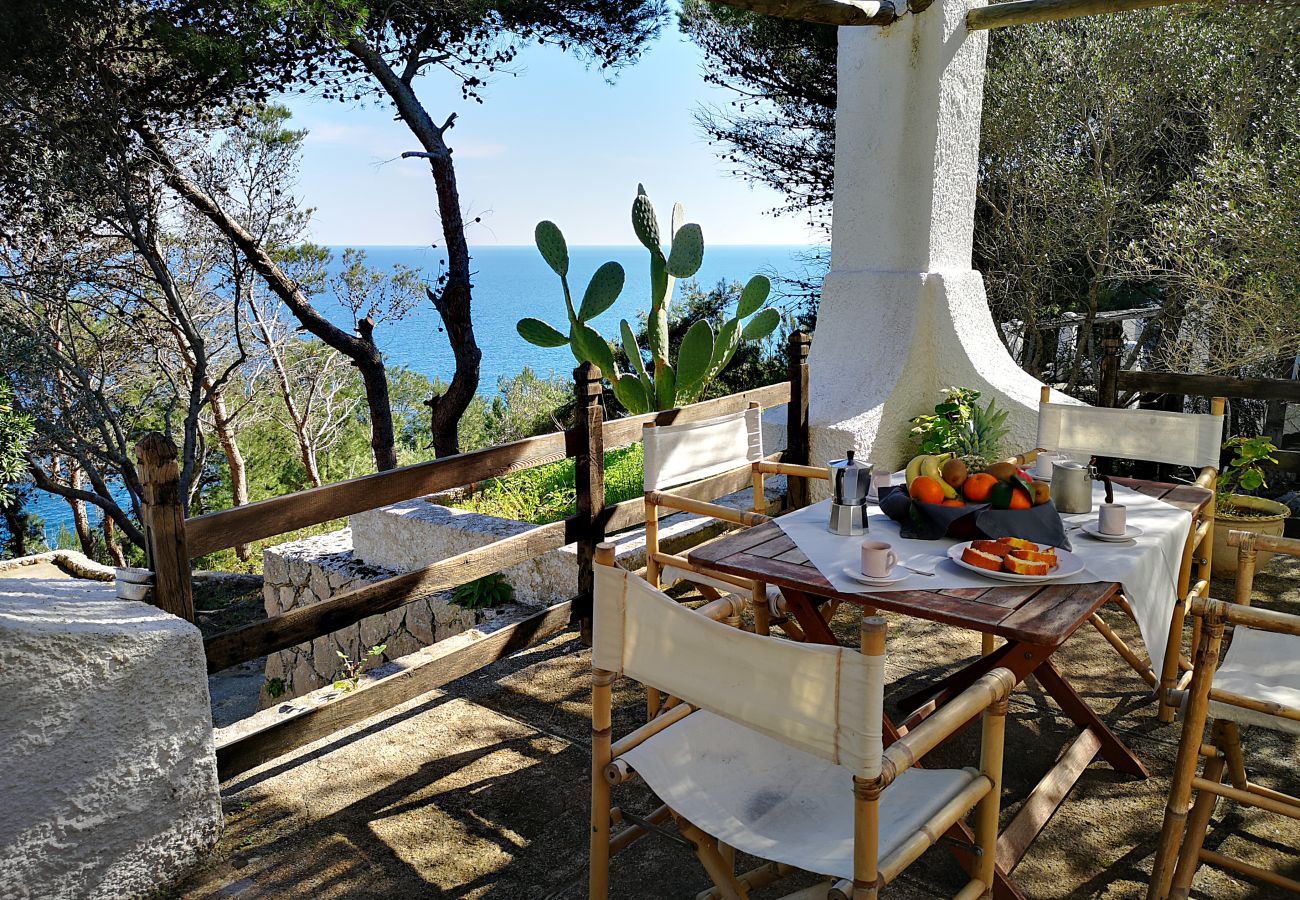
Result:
546,493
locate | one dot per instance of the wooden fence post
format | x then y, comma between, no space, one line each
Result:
589,479
164,525
796,417
1108,378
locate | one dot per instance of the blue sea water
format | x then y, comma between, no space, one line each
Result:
508,284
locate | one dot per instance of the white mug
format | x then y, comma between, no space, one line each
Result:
878,559
880,481
1111,519
1043,465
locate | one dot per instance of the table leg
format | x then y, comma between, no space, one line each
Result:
815,628
1113,750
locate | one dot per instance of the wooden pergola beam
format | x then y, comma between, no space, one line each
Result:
1024,12
825,12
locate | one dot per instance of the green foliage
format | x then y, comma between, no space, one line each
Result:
484,593
960,425
701,357
350,675
16,430
546,493
1245,472
276,687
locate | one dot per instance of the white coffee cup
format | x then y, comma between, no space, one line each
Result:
1111,519
1043,465
880,481
878,559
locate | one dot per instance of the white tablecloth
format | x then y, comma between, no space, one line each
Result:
1146,567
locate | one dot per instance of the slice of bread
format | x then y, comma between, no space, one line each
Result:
1018,543
1025,566
996,548
1046,555
982,560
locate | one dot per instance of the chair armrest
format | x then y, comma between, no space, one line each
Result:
1024,459
993,687
703,508
1250,616
798,471
1209,475
1267,542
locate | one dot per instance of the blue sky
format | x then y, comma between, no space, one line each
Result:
554,141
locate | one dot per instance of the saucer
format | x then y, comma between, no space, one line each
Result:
1093,530
893,577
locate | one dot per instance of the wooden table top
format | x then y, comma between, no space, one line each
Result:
1041,615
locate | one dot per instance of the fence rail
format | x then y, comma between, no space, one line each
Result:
174,540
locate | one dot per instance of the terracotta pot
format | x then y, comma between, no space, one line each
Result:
1225,557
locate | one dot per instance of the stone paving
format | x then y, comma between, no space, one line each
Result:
480,790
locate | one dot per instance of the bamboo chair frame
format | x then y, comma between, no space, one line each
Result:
987,698
1180,850
657,561
1198,554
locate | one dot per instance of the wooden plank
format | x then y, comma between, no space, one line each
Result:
1056,612
433,670
1112,749
218,530
621,432
1284,389
308,622
589,486
1024,12
1046,797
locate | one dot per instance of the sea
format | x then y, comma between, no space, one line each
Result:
510,283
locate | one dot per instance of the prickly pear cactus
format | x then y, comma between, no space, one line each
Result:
702,355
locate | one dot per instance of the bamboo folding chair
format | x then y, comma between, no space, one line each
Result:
1258,684
1181,439
677,456
775,748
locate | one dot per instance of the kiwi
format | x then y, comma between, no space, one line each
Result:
1002,471
954,472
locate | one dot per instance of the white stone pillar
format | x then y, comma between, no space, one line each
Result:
903,314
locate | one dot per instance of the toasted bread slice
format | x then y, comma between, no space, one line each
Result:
982,560
1018,543
1046,555
1025,566
996,548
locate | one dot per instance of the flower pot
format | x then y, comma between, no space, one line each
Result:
1271,522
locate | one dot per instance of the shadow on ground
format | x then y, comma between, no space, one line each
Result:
480,790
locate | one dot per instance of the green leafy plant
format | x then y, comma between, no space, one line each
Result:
484,593
702,355
1245,471
276,688
961,426
350,675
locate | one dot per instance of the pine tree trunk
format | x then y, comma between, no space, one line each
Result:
234,459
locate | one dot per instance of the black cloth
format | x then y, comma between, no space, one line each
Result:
931,521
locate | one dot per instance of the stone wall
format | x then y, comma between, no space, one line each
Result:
301,573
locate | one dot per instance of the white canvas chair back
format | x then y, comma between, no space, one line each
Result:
677,454
1174,438
827,701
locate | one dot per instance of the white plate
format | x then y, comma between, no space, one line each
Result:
1093,530
1067,564
863,578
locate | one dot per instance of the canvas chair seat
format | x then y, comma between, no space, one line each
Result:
777,802
1262,665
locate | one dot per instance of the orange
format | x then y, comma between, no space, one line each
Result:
955,501
926,489
977,486
1020,499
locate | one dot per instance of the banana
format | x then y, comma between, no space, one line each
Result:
914,469
931,468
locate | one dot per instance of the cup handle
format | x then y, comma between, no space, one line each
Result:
892,559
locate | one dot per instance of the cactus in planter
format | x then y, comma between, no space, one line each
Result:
702,355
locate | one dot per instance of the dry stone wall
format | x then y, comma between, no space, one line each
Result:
301,573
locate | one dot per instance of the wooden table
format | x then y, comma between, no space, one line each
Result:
1034,620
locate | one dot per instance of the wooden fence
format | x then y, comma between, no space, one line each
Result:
1170,390
174,540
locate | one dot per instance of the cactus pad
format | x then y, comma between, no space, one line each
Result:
687,251
538,333
550,241
753,296
602,291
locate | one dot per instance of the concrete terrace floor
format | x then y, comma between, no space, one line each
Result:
480,790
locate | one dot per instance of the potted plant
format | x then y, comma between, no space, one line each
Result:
1241,512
